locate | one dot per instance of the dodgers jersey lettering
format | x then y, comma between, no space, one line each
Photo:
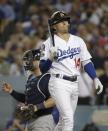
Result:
70,55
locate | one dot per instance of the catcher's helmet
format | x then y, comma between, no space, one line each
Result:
58,17
30,56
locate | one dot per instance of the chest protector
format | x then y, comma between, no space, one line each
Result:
32,93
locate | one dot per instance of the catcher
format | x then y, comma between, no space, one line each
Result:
37,104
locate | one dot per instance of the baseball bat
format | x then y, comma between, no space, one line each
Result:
51,34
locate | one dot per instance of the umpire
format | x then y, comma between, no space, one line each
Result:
36,99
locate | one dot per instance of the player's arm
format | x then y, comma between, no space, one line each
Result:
48,102
48,54
89,67
45,62
28,110
45,105
16,95
41,106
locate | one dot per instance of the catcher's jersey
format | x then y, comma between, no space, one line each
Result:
70,55
37,89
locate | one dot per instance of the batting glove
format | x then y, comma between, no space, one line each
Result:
98,86
53,53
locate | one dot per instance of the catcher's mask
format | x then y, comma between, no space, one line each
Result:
30,56
58,17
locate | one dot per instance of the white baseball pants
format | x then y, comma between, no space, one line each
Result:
65,94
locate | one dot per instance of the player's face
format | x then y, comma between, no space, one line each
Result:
36,64
62,27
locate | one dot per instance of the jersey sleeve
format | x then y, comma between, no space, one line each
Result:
85,55
18,96
45,50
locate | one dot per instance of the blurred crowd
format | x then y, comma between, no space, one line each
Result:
23,26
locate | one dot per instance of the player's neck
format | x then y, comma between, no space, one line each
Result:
64,36
37,72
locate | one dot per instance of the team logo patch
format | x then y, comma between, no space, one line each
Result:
70,52
42,47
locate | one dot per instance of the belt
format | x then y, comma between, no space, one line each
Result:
69,78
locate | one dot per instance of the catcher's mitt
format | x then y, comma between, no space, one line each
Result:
26,111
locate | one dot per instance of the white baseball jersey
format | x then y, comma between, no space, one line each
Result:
70,55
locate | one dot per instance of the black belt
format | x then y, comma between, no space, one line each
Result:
69,78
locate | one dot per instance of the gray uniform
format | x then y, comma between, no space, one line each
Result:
45,123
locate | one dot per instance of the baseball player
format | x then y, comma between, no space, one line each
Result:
62,56
36,97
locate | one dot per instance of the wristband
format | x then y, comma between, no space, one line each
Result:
40,106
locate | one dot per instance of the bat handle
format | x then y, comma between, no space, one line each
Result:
55,56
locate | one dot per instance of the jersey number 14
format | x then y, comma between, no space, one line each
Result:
77,63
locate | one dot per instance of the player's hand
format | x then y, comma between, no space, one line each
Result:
28,107
53,53
26,111
7,88
98,86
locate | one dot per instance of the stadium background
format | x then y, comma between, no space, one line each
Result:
23,26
